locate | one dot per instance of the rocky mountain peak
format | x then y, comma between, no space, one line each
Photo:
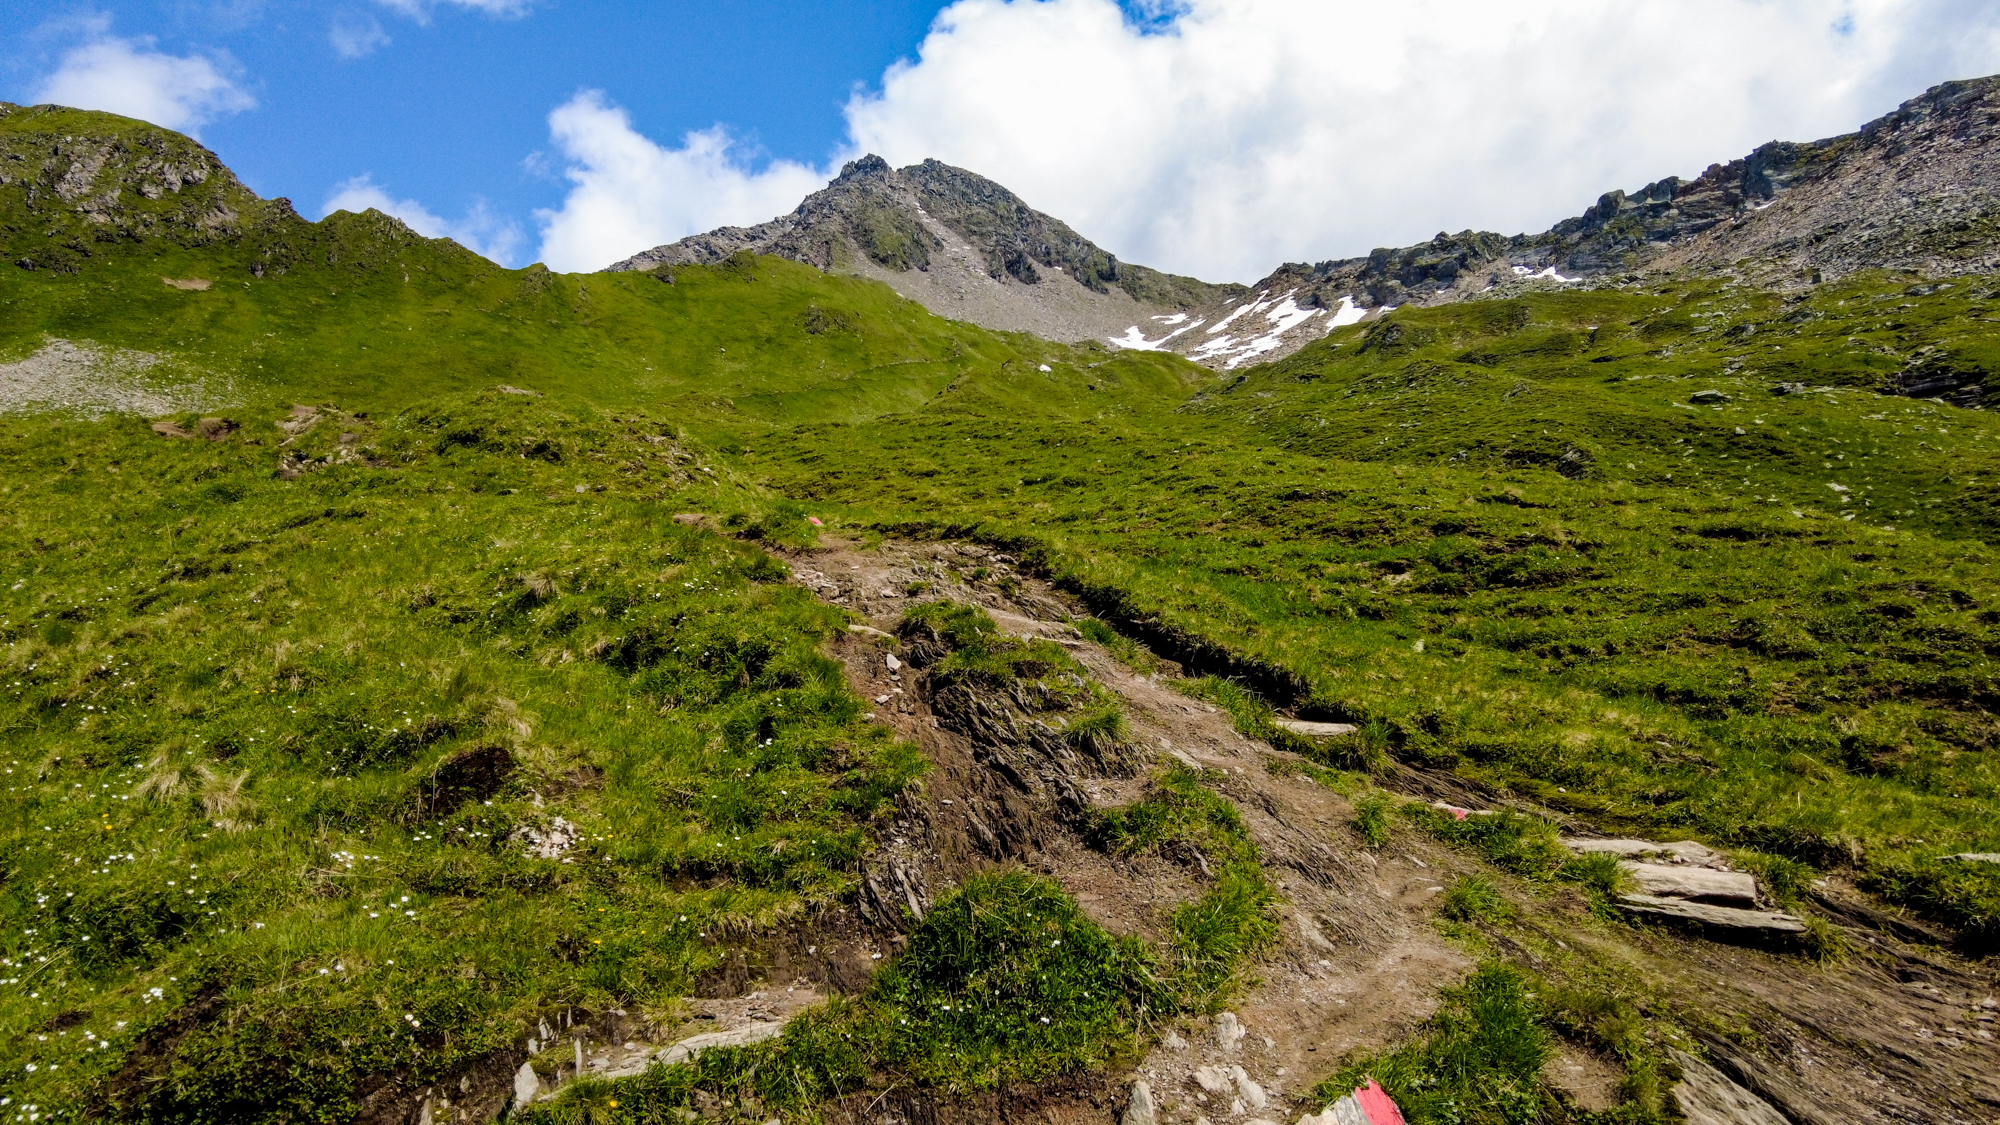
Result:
960,243
1918,189
868,166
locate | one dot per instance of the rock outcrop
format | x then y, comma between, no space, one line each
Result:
960,244
1690,882
1917,189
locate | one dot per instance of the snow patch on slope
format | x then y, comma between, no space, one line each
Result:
1224,322
1135,340
1549,274
1348,313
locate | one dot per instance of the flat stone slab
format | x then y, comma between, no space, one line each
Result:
688,1048
1697,884
1977,857
1318,730
1724,917
1686,851
1707,1097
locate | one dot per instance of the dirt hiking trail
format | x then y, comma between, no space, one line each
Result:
1895,1034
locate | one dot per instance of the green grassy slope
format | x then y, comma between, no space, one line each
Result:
268,741
1556,575
732,349
295,666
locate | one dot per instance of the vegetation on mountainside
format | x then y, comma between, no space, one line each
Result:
1005,980
319,779
1215,935
287,710
1688,635
1479,1060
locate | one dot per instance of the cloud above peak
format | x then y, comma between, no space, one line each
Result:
132,78
481,230
1222,137
1249,132
629,194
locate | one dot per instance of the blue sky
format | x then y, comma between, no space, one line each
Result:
1213,137
448,103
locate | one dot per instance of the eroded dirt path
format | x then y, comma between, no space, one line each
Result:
1358,965
1896,1034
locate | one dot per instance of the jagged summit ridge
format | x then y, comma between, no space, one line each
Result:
1917,189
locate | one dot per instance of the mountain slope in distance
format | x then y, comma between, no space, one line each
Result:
960,244
1910,190
1913,190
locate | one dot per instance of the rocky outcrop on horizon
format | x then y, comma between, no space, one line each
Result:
1917,189
960,244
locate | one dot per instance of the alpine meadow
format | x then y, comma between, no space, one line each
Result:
853,670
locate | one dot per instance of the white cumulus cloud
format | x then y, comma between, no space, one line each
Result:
629,193
481,230
1242,133
132,78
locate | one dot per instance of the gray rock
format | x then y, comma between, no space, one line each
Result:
1696,884
1706,1097
1790,389
1685,850
1724,917
1214,1079
527,1084
1141,1111
1706,398
1977,857
1228,1031
685,1049
551,842
1317,730
1252,1094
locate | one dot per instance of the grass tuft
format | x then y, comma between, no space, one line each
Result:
1472,898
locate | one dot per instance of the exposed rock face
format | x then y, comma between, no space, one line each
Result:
81,182
1706,1097
1918,189
960,244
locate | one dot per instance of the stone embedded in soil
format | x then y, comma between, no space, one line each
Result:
1696,884
1214,1079
1318,730
527,1084
1685,850
1252,1094
1228,1031
1977,857
1707,1097
1141,1111
1724,917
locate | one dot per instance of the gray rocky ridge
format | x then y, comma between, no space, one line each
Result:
1917,189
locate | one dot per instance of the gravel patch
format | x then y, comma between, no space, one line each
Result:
93,381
